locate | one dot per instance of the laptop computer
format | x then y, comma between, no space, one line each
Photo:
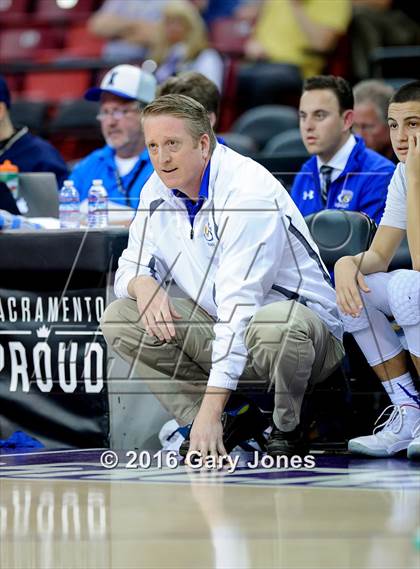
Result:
38,194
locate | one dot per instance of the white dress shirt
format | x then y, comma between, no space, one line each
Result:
339,160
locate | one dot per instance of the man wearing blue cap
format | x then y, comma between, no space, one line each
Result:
28,152
123,164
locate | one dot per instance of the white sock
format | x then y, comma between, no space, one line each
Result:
401,390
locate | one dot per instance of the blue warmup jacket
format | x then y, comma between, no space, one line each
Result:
100,164
33,154
362,186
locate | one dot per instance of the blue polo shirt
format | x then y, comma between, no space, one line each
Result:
100,164
362,186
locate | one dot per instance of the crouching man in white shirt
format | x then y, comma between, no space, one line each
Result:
260,306
367,294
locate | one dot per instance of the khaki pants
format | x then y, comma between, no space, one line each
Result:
288,345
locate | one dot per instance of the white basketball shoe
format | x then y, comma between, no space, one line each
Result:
413,449
391,436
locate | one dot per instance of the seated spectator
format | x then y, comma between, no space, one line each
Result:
371,100
130,27
296,36
196,86
368,295
182,44
342,173
28,152
123,164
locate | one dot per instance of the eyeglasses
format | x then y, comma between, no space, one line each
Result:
116,114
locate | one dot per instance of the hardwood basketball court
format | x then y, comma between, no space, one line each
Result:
63,509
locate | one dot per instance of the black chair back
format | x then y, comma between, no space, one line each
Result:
32,114
339,233
262,123
289,141
241,143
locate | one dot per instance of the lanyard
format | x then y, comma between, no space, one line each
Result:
126,191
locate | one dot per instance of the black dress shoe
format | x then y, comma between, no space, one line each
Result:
281,443
240,424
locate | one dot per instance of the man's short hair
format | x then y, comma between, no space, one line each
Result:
186,108
376,92
339,86
194,85
406,93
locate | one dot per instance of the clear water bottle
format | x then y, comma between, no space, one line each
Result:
69,206
97,205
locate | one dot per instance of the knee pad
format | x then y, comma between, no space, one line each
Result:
404,297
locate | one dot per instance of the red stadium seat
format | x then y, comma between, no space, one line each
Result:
54,86
29,44
13,11
79,42
53,11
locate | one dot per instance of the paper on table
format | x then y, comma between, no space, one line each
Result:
117,213
46,222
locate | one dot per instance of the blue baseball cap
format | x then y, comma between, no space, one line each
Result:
4,92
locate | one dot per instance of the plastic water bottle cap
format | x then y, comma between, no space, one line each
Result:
68,183
97,182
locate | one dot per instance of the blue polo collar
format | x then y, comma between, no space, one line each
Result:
194,207
203,194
